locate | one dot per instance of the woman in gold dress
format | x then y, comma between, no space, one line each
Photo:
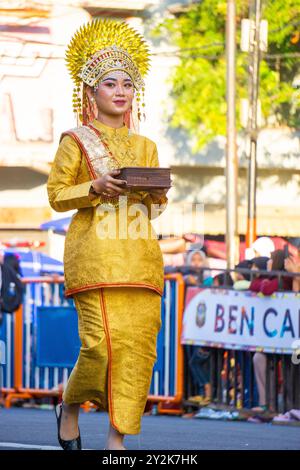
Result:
113,264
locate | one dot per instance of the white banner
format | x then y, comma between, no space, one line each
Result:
242,320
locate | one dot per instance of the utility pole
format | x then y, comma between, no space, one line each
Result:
232,237
254,62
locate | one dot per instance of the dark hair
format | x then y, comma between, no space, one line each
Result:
278,260
224,279
260,262
245,264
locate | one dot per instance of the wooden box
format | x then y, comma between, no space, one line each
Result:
143,178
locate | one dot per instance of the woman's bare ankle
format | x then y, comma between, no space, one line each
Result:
114,445
115,439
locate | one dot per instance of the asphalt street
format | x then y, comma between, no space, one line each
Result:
22,428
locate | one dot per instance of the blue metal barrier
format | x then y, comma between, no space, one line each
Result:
163,379
7,351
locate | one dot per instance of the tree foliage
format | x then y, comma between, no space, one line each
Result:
198,86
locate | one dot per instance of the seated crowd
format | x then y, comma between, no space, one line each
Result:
265,273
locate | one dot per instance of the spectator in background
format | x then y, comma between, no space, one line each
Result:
258,264
223,280
199,360
268,285
200,370
262,247
259,359
292,265
197,261
242,278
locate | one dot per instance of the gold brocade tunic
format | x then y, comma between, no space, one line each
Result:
90,259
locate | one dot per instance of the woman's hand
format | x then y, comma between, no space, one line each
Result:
108,185
192,279
292,265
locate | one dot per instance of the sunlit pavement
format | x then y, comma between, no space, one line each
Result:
22,428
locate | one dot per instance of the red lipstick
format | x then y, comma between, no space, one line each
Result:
120,102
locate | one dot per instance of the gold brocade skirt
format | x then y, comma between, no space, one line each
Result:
118,328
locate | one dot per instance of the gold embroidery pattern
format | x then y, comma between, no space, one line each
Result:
124,144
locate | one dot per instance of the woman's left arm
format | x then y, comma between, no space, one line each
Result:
155,196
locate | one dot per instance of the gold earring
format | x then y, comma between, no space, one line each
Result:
138,99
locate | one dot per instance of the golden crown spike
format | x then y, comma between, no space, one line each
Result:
101,46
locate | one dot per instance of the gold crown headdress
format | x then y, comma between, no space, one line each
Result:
101,46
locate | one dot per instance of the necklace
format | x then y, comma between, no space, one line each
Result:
112,202
122,143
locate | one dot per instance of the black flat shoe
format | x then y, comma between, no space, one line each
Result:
72,444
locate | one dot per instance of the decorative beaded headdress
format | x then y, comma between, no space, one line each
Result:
99,47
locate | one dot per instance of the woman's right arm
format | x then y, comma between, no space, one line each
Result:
63,192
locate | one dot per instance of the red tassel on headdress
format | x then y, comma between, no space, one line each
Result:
88,113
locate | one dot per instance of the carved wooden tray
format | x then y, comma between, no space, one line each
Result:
143,177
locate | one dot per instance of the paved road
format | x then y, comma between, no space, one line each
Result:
22,428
